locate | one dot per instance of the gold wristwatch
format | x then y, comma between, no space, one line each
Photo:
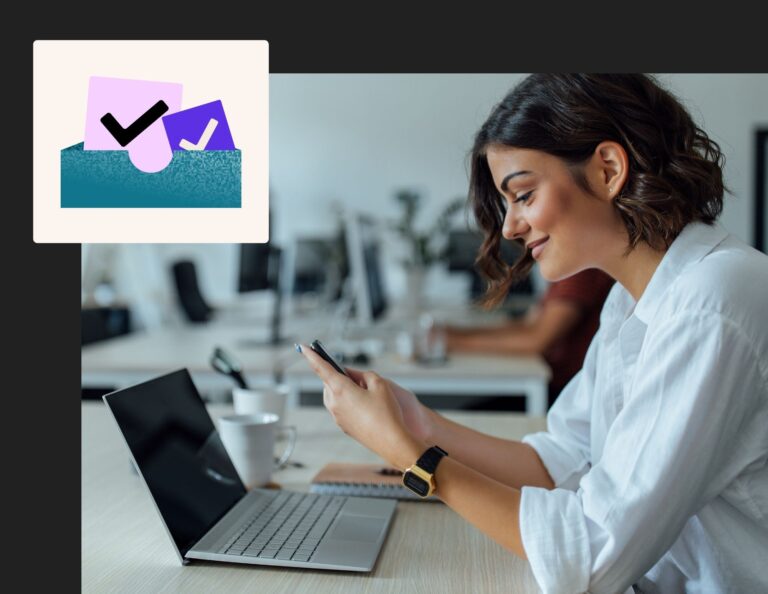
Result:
420,478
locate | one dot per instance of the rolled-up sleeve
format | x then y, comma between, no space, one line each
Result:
669,451
564,448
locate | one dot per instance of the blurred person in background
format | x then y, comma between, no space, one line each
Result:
559,327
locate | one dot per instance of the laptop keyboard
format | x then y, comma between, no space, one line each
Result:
288,527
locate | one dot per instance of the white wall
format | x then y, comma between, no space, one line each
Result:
729,107
355,139
358,138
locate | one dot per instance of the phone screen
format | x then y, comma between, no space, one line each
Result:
317,346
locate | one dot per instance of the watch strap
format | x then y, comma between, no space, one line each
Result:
431,458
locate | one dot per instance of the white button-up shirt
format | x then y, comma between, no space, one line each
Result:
658,447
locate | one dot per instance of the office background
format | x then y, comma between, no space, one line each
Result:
354,140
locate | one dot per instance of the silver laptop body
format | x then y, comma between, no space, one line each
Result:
207,511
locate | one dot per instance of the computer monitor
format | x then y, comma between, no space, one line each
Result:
317,265
462,250
255,273
363,251
260,265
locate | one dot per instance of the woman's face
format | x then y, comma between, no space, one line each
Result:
565,228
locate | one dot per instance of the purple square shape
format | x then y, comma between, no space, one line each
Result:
190,123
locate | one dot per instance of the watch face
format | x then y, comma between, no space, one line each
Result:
416,484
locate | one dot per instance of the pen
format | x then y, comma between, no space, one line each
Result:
389,471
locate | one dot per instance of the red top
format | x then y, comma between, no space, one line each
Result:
588,290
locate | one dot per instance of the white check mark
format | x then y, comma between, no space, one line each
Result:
203,142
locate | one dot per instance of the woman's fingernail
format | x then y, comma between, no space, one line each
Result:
298,347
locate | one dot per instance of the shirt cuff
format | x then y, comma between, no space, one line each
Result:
565,470
556,540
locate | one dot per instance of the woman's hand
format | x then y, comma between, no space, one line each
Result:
416,416
368,408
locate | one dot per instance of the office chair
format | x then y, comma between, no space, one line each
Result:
191,299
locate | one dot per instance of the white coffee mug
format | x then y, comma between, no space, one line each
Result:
250,443
260,399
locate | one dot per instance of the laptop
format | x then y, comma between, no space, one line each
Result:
205,507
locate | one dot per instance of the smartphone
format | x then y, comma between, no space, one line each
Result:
317,346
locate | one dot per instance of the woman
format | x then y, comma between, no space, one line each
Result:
653,470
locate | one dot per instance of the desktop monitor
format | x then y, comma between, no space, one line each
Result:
317,265
254,270
363,252
260,265
463,248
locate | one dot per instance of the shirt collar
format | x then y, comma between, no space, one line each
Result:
695,241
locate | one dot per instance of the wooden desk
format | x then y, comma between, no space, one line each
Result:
127,360
476,375
429,547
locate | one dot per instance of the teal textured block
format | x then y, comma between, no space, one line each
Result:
108,179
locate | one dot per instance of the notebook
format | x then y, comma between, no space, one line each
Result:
362,480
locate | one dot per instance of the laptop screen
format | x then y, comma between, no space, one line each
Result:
179,454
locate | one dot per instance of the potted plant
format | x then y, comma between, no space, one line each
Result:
424,247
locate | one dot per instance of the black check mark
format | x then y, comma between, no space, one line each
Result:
126,135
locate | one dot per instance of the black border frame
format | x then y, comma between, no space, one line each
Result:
761,189
42,296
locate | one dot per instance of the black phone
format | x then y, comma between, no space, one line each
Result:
317,346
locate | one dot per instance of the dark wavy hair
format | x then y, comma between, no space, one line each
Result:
675,170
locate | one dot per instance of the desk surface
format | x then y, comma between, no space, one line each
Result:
130,359
429,547
462,373
136,357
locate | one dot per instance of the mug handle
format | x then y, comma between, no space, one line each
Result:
283,459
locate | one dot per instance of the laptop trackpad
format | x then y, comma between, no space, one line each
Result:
357,528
